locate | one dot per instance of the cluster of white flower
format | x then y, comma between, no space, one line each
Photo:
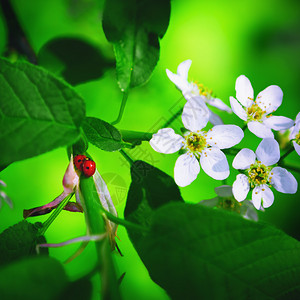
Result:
200,147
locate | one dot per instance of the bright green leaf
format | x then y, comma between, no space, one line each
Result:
134,27
38,112
35,278
195,252
19,241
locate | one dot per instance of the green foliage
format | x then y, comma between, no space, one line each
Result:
195,252
76,60
38,112
134,27
35,278
19,241
103,135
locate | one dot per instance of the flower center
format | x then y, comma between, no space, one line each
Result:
229,203
203,90
195,142
297,138
259,174
255,113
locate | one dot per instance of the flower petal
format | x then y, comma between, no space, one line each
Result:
278,122
224,191
218,103
295,130
214,163
186,169
238,109
179,81
260,130
214,118
183,69
224,136
244,91
244,159
166,141
262,194
297,147
6,199
195,114
283,181
270,98
248,211
268,152
240,187
210,202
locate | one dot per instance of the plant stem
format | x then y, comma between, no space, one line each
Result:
173,118
55,214
127,157
121,111
285,154
245,127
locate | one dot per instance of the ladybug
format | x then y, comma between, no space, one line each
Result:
88,167
78,161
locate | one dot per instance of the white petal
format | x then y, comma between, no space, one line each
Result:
298,118
295,130
240,187
186,169
244,91
268,152
224,191
183,69
278,122
270,98
166,141
218,103
195,114
210,202
238,109
248,211
244,159
214,163
224,136
297,147
179,81
262,194
283,181
214,118
260,130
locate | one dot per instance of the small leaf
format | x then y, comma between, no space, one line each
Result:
103,135
196,252
38,112
35,278
76,60
19,241
134,27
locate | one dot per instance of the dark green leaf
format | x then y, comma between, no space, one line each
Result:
103,135
38,112
76,60
196,252
79,289
150,189
19,241
134,27
35,278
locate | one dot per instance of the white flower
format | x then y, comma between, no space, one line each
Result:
295,134
260,176
257,113
225,200
3,196
192,89
200,146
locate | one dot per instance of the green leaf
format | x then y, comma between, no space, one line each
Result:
134,27
76,60
38,112
196,252
79,289
150,189
19,241
35,278
103,135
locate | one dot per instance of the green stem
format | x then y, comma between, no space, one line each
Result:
173,118
231,151
285,155
245,127
55,214
121,111
127,157
287,166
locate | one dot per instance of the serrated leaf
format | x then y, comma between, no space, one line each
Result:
196,252
102,134
134,27
19,241
38,112
35,278
76,60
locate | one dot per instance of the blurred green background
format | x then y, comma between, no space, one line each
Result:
260,39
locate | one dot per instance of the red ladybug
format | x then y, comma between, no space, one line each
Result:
88,167
78,161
